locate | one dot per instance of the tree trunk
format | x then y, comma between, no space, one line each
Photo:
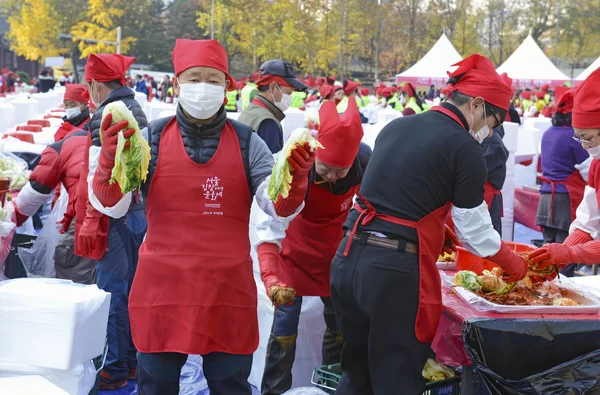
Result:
341,40
74,57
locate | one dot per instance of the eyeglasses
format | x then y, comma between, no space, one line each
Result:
584,142
496,120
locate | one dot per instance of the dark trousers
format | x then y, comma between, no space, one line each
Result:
555,235
112,276
281,350
375,294
226,374
137,225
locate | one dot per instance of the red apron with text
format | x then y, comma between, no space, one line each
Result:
194,290
311,241
575,187
430,231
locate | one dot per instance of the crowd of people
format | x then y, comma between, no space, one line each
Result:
175,254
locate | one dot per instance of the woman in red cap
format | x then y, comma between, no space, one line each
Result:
565,168
385,285
77,111
194,290
112,242
297,255
582,245
410,99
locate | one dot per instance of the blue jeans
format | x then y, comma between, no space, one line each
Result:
137,224
281,349
226,374
112,275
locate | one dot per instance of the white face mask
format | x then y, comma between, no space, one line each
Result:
72,112
95,98
201,100
286,101
482,133
403,100
594,152
442,96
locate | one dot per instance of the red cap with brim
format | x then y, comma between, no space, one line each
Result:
408,89
365,91
107,67
326,91
526,95
74,92
478,78
586,103
385,92
339,134
201,53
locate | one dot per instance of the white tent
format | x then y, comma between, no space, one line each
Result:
589,70
529,67
433,67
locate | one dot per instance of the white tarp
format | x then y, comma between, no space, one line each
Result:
528,66
433,67
588,71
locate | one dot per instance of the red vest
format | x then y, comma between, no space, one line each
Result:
194,290
312,239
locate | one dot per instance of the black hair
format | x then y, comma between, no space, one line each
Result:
263,88
461,99
560,119
138,76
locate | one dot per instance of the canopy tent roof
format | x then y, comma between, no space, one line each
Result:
589,70
432,68
529,67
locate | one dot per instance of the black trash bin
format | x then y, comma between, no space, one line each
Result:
13,267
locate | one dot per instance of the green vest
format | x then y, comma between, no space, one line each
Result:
394,102
248,93
343,105
526,104
254,114
231,101
298,99
412,103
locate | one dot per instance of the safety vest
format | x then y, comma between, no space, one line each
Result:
343,105
412,103
526,104
394,102
247,93
231,101
298,99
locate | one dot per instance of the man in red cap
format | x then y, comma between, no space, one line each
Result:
250,90
385,285
582,245
194,290
112,242
297,255
60,164
276,84
76,107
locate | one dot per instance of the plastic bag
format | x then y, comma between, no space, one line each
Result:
305,391
38,260
7,232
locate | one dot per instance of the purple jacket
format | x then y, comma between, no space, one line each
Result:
560,154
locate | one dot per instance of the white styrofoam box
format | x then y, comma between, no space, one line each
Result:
77,381
154,109
508,194
29,385
25,109
507,229
510,139
371,132
294,119
388,114
7,116
51,323
305,391
11,144
141,98
233,115
525,175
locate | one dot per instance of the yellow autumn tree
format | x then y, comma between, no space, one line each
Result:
101,24
33,32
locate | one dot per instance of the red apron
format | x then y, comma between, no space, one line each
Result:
430,231
489,192
194,290
575,187
311,241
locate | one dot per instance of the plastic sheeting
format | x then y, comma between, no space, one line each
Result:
38,260
549,357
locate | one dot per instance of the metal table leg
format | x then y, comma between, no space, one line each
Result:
466,382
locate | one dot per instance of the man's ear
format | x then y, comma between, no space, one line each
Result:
176,86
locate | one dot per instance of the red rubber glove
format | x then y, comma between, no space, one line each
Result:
87,235
562,254
20,217
515,266
109,194
64,223
451,241
268,260
301,160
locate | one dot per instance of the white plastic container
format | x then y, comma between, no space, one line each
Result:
77,381
29,385
51,323
25,109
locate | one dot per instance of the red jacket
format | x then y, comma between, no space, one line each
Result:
61,163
